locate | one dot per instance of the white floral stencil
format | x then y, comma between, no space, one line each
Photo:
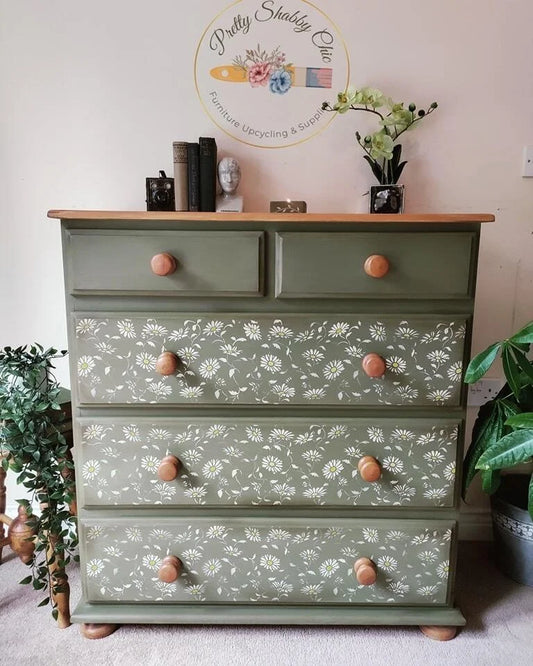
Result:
289,562
237,462
264,360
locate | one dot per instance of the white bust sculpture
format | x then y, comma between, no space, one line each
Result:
229,176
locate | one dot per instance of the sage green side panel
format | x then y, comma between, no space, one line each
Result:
264,359
330,265
266,461
208,262
262,561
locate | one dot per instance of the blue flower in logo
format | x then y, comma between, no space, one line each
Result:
280,81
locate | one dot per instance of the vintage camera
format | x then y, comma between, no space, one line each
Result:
160,193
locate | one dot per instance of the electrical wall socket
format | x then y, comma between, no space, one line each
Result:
484,390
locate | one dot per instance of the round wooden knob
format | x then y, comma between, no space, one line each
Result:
167,363
369,469
170,569
376,266
168,468
374,365
163,264
365,571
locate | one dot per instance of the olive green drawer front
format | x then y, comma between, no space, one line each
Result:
207,262
237,461
262,561
330,265
262,359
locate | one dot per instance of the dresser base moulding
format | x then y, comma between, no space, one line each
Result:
436,623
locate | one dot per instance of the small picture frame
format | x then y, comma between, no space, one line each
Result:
288,206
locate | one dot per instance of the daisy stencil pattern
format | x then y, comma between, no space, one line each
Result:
267,360
304,464
267,563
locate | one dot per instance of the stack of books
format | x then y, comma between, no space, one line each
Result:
195,174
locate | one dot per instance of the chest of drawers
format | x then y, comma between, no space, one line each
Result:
268,414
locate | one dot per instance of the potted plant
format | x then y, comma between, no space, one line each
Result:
382,152
502,438
34,447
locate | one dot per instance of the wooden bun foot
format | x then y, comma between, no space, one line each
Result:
439,633
97,630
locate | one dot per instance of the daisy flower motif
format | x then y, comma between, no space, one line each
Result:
277,534
94,567
425,439
377,331
209,368
438,357
370,535
216,431
272,464
85,326
213,327
158,434
284,490
270,363
192,555
406,333
230,350
337,431
443,570
105,348
353,351
332,469
309,555
314,394
212,567
188,354
407,393
304,438
212,468
333,369
152,329
339,329
392,464
93,431
427,590
313,355
131,433
435,493
455,371
404,491
399,588
160,389
280,435
252,534
94,532
134,534
160,534
312,590
440,395
192,392
434,457
113,551
312,456
232,551
196,494
282,587
217,532
399,434
283,391
196,592
328,568
315,493
387,563
280,331
126,328
150,463
449,471
254,434
375,434
270,562
90,470
396,364
395,535
146,361
151,561
252,330
85,365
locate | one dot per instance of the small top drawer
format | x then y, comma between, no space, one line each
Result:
201,263
332,264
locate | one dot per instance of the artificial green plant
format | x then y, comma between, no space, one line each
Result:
502,436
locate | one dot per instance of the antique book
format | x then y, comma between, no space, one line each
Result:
193,169
181,193
208,173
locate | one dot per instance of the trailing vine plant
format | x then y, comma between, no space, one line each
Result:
36,450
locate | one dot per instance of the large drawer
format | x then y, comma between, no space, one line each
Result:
207,263
267,560
331,265
264,359
266,461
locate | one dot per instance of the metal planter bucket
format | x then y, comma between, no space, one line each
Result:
386,199
513,529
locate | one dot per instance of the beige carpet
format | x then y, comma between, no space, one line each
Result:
499,632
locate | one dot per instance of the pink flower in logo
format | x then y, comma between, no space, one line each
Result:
259,74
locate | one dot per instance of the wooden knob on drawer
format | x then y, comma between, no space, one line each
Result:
170,569
376,266
168,468
365,571
167,363
369,469
374,365
163,264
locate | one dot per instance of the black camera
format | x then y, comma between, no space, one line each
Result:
160,193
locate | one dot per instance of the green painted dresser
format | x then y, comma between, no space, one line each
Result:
269,415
